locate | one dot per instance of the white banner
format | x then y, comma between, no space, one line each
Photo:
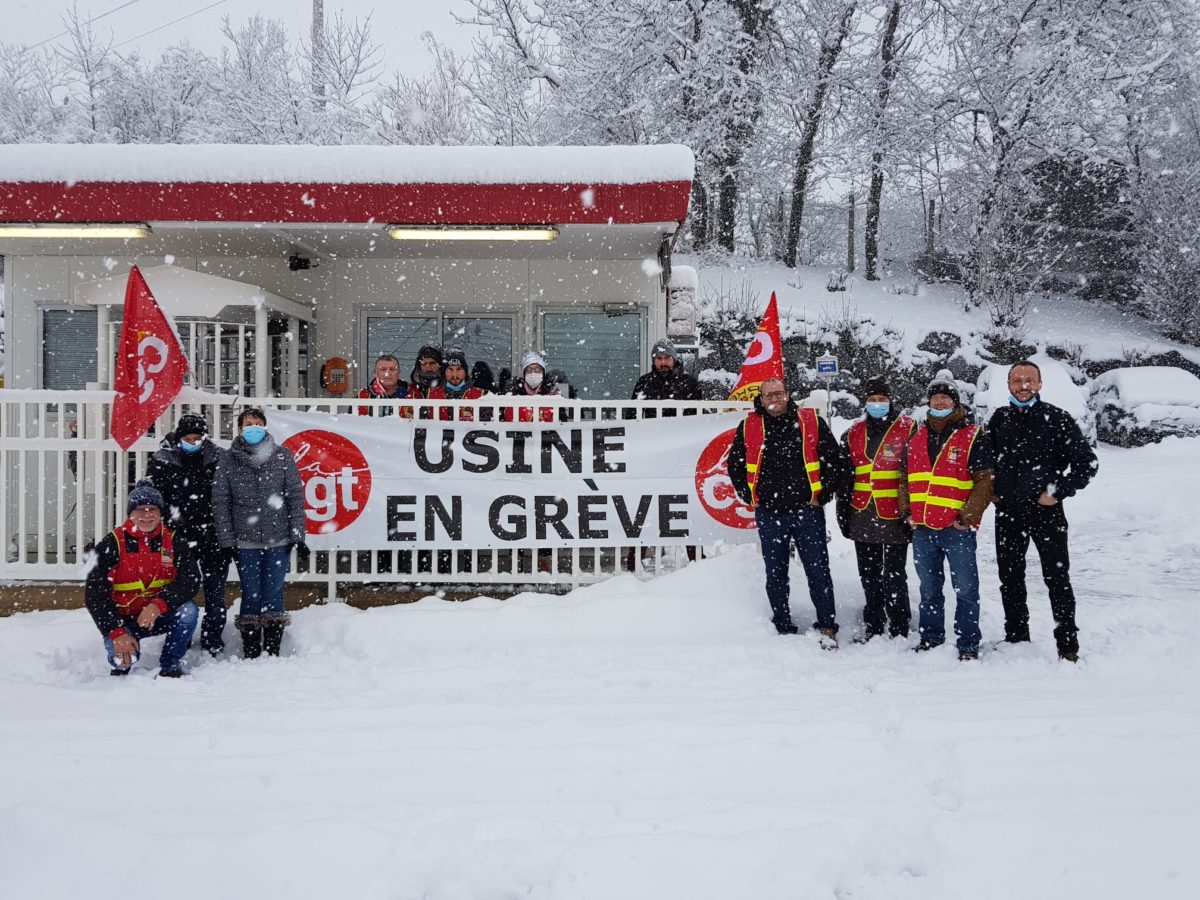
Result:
386,483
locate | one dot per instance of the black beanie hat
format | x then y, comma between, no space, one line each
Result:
145,493
877,385
430,352
455,356
191,423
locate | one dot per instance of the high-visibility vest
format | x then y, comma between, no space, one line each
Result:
140,576
877,479
449,413
755,443
937,491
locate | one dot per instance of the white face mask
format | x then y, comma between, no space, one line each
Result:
534,379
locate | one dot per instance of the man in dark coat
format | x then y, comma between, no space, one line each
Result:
1041,459
666,379
140,583
785,508
183,472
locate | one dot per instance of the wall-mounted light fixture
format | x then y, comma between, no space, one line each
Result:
472,232
74,230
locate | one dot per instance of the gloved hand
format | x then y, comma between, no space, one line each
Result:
303,553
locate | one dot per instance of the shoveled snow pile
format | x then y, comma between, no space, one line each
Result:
637,740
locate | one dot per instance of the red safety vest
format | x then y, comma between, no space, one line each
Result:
938,490
449,412
809,434
877,479
139,577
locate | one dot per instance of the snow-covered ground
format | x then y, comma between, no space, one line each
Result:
636,740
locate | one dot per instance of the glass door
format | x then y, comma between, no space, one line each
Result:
598,353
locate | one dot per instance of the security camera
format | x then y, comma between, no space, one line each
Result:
296,263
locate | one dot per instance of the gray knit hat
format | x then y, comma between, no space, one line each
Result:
943,383
663,347
145,493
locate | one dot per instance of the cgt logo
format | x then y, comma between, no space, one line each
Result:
337,479
714,488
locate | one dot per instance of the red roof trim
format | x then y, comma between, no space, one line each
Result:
461,204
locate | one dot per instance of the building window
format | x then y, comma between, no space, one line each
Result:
68,348
486,338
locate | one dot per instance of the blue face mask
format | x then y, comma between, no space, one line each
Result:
940,413
1015,402
254,434
878,410
191,448
456,388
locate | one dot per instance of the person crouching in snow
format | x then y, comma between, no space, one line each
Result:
258,509
944,493
140,583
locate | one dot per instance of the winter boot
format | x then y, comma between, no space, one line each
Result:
251,630
273,624
827,638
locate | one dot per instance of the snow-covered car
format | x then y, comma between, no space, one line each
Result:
1144,404
1058,387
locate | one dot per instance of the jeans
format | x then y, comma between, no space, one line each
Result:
881,569
931,550
214,576
261,572
1047,527
807,529
178,625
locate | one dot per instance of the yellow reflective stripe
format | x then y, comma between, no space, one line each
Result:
159,582
951,482
887,493
894,473
945,501
751,467
129,586
859,470
816,486
863,487
812,466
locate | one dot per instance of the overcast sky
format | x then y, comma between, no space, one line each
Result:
396,24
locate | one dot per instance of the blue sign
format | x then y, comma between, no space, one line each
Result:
827,366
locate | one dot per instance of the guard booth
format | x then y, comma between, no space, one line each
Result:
343,253
283,264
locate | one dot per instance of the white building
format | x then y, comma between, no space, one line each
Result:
318,253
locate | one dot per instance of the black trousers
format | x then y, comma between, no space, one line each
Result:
1046,526
881,568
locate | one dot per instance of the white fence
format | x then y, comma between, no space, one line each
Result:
64,483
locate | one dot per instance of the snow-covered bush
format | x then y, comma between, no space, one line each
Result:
1142,405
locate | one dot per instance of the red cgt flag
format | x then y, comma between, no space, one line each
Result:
764,359
150,364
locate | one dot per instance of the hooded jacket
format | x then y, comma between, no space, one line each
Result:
258,498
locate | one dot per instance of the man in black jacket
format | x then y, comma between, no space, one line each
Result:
788,495
1041,459
183,472
666,379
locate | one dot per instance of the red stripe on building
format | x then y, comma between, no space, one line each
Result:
457,204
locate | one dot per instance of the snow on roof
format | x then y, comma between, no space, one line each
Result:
255,164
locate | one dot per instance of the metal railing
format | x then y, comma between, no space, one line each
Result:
64,483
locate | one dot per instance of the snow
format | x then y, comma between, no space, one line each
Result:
637,740
1133,387
1100,331
245,164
